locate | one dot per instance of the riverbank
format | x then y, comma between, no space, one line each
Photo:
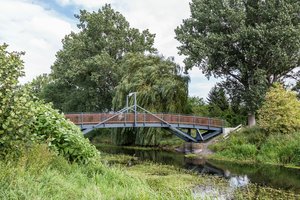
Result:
253,145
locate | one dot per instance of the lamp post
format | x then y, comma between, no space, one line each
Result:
134,105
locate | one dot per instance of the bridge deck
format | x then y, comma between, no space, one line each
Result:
172,122
142,120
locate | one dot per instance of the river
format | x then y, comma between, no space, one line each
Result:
237,174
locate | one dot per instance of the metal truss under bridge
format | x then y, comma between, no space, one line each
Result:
183,126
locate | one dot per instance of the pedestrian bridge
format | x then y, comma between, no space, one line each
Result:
187,127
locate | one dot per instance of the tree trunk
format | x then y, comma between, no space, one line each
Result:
251,119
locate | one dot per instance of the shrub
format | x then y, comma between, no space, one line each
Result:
25,121
61,134
280,111
15,109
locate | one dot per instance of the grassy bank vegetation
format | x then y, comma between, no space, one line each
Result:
40,174
253,145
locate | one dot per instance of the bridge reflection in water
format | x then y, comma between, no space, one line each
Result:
180,125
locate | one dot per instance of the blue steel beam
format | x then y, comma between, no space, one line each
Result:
174,128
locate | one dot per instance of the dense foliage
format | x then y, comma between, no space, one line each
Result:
61,135
26,121
15,109
197,106
280,111
38,86
296,88
160,87
221,106
159,83
217,100
251,44
218,105
254,145
88,67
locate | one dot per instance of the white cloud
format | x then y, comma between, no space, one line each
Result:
160,17
200,85
31,28
84,3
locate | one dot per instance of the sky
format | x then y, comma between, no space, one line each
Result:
37,27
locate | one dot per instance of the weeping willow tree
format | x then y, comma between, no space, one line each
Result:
160,87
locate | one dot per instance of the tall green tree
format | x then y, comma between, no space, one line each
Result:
251,44
87,69
197,106
225,106
160,87
38,84
217,99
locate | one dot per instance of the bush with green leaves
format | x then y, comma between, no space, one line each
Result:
280,112
61,134
25,121
15,109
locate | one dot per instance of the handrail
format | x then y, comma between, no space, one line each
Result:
117,114
82,118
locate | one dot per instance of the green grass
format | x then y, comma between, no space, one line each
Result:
39,174
254,145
